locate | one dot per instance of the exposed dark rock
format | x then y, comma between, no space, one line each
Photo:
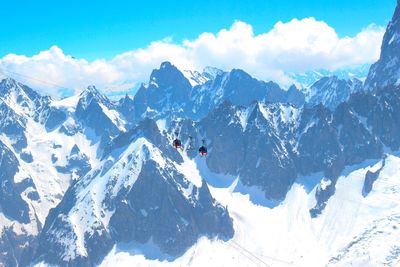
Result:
370,178
90,113
55,118
77,163
26,156
12,205
386,71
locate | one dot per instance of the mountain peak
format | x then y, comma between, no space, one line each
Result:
293,87
8,83
386,70
238,73
91,89
126,99
91,92
23,99
166,64
168,75
212,72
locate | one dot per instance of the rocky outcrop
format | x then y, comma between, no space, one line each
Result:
95,111
331,91
386,71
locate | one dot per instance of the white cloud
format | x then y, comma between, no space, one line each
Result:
298,45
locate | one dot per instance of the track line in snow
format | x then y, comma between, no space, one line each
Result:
247,254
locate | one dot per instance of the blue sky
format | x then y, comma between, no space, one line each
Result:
93,29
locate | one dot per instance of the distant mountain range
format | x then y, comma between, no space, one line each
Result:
308,78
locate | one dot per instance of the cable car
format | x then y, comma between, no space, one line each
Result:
203,149
177,143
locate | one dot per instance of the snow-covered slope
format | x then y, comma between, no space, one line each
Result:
196,78
137,195
353,230
46,148
42,153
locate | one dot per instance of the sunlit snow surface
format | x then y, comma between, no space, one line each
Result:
351,231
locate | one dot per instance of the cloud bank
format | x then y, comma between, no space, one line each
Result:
297,45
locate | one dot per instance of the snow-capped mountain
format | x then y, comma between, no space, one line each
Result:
48,145
353,230
171,92
331,91
125,106
45,146
137,195
174,93
306,79
266,146
269,145
290,178
98,113
168,91
386,71
23,99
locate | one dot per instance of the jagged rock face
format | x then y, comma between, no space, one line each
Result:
126,106
137,195
371,177
385,117
53,118
13,126
356,140
170,93
12,204
386,71
90,112
237,87
165,216
13,248
274,93
269,145
226,140
241,89
318,147
381,112
168,89
27,101
295,96
22,94
247,142
267,162
331,91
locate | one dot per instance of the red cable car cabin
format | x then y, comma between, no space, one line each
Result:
203,151
177,143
